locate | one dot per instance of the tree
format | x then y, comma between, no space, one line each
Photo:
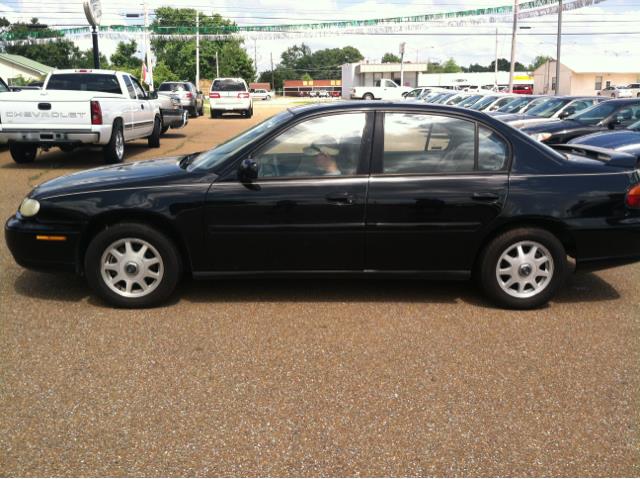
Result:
84,59
539,61
58,53
390,58
125,56
179,57
450,66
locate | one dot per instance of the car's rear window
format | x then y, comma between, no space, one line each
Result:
172,87
84,82
228,85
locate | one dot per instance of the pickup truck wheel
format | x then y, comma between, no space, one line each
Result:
367,96
114,150
154,138
22,153
523,268
132,265
164,130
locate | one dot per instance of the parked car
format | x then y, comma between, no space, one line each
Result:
171,112
470,100
383,89
609,115
613,91
522,89
191,98
553,107
442,193
230,95
519,105
80,107
485,101
260,94
626,140
319,94
633,90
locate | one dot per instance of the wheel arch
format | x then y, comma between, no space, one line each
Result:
555,227
157,221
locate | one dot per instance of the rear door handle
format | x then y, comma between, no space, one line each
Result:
142,105
340,198
485,196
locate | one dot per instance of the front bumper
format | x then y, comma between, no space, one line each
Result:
40,247
99,134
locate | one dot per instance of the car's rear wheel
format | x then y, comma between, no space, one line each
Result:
114,150
23,153
523,268
367,96
132,265
248,113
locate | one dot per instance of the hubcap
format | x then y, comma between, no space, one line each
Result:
131,267
119,145
524,269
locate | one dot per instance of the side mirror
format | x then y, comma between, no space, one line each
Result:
153,95
568,112
248,171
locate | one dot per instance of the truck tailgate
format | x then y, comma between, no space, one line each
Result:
45,114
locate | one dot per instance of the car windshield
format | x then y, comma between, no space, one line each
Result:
470,100
443,98
414,93
484,102
228,84
535,103
548,108
212,158
84,82
634,126
172,87
514,105
595,114
3,86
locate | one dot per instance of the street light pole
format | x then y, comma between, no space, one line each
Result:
96,50
402,45
197,50
513,44
558,41
495,81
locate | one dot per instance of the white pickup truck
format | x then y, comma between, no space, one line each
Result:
384,89
80,107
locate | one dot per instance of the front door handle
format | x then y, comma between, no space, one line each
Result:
142,105
485,196
340,198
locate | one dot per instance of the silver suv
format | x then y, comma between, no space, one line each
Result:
191,98
230,95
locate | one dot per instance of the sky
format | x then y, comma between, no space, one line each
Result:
610,28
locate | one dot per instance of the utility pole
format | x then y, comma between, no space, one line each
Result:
558,41
495,81
513,44
402,45
273,81
255,54
217,67
197,50
147,46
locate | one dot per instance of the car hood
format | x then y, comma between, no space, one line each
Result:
623,140
141,174
552,126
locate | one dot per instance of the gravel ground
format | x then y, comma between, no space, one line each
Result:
312,377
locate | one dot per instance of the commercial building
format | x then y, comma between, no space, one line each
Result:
304,87
366,74
13,67
586,75
473,80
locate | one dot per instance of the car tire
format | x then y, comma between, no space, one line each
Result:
158,267
249,113
528,279
268,97
23,153
154,138
367,96
164,130
201,110
114,150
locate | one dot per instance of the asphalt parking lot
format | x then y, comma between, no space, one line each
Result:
309,377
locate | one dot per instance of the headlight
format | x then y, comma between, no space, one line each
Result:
542,136
29,207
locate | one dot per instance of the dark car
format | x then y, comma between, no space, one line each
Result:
551,107
626,140
609,115
353,188
519,105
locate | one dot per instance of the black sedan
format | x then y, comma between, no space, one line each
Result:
609,115
364,188
627,140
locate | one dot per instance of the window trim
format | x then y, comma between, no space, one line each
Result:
377,166
229,173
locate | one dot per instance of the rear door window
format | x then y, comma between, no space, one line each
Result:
228,85
127,82
84,82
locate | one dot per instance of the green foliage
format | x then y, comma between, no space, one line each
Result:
538,61
390,58
85,60
125,56
306,77
179,57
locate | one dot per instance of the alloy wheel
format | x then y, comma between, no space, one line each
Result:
524,269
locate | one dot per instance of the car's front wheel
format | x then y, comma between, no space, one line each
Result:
154,139
132,265
523,268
